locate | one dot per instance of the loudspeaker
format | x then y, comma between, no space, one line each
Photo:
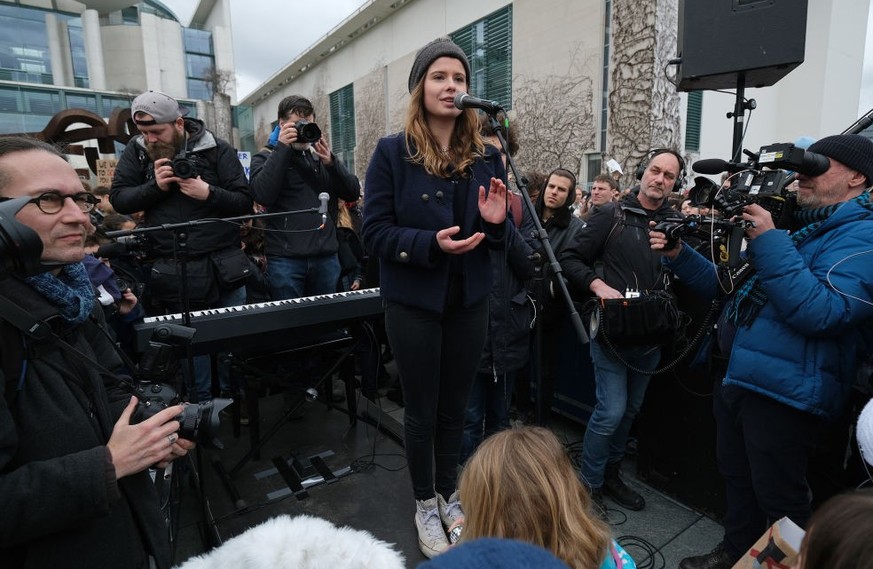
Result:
720,39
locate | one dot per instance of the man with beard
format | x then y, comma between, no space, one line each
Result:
609,256
794,333
177,171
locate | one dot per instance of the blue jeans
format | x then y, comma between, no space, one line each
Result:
487,410
619,394
201,390
294,277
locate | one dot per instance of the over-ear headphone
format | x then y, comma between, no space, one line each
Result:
680,179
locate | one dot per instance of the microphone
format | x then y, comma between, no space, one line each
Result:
322,209
465,101
717,166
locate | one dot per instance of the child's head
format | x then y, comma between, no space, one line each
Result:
520,484
839,534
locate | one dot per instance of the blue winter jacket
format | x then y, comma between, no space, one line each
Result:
404,208
802,349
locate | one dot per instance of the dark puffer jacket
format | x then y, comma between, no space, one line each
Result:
134,189
286,179
507,347
620,241
61,503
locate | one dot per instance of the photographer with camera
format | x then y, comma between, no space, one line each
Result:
291,174
792,332
610,258
74,486
176,171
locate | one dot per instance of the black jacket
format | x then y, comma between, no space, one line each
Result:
286,179
619,242
61,503
562,228
507,347
134,189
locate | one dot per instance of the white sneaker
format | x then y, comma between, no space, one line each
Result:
452,516
431,536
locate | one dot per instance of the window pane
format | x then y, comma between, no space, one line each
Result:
692,120
199,89
79,101
342,123
24,52
199,65
41,103
198,41
488,45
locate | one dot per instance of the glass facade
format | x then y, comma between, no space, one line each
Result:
28,109
24,46
199,62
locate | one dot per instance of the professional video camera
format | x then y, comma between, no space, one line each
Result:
723,238
307,131
763,180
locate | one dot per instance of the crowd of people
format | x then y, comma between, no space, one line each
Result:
454,253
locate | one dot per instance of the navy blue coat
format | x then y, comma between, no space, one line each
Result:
404,207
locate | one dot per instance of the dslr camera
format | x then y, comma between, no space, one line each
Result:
184,167
307,131
199,421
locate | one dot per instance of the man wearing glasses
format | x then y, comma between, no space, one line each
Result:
74,486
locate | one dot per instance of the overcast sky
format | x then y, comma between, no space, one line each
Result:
268,34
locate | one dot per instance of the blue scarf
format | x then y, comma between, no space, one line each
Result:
750,298
70,292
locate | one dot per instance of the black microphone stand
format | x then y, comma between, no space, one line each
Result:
181,254
553,263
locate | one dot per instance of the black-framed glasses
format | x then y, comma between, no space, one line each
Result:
53,202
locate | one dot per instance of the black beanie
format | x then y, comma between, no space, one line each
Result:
852,150
440,47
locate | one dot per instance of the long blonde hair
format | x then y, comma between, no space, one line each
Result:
465,146
343,217
520,484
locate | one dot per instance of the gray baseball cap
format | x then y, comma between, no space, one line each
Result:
162,108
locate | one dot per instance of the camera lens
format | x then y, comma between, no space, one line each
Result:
307,131
184,168
200,421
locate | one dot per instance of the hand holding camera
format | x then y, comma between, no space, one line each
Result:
153,441
181,171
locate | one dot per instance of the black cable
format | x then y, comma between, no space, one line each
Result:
652,557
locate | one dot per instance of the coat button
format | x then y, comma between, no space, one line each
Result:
424,197
403,257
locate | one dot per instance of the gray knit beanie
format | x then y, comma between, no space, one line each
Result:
852,150
440,47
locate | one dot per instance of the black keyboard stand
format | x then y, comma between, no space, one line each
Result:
345,342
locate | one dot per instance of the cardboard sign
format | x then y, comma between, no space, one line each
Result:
105,171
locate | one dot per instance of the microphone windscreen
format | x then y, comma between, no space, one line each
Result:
864,432
710,166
